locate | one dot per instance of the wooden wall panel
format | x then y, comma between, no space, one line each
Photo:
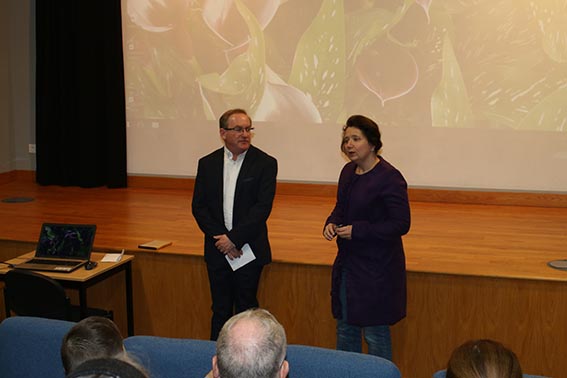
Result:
110,295
446,310
171,296
299,296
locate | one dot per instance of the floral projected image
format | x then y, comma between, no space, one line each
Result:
499,64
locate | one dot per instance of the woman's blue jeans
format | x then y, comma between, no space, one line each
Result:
349,337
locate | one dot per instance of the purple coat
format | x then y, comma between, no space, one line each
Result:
376,205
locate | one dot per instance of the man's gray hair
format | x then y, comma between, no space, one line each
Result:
260,354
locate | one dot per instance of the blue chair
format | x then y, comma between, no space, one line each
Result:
166,357
441,374
312,362
30,347
170,358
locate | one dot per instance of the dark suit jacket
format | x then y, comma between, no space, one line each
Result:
253,199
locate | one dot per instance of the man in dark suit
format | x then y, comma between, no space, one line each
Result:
232,199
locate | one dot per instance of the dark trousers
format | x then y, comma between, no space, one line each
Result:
232,292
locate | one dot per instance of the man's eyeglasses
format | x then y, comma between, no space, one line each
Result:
239,129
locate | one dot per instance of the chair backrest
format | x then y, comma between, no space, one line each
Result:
180,358
30,347
314,362
164,357
28,293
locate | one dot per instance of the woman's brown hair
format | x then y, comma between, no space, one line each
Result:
483,359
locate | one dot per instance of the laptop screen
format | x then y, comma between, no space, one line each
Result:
68,241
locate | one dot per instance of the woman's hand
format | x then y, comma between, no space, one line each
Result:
329,231
344,232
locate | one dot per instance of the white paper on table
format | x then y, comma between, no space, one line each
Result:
245,258
112,257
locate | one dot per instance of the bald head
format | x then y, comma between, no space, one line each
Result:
251,344
246,331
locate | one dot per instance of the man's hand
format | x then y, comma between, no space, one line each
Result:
234,253
224,244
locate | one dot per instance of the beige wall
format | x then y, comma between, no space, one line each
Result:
5,111
17,103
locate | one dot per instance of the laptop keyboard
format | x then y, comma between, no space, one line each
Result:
53,262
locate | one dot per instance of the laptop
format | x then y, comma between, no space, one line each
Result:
62,248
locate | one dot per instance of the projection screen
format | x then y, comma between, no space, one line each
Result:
467,93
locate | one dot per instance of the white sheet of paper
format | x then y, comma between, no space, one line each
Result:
112,257
239,262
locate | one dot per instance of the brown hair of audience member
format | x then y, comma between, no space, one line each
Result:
483,359
91,338
107,368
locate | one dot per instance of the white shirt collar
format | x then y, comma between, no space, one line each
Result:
229,155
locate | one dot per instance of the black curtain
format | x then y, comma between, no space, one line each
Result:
80,102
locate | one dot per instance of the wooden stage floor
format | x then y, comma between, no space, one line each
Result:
464,239
474,271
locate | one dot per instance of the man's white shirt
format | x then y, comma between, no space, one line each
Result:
230,175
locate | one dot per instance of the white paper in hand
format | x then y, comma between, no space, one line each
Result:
239,262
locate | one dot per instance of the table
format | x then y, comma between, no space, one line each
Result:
81,279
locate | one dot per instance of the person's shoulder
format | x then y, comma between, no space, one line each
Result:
347,173
258,153
213,155
386,169
349,168
386,166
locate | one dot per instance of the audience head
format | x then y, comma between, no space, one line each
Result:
91,338
369,129
251,344
107,368
483,359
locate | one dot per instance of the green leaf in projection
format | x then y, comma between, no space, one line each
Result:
243,83
366,25
450,105
164,79
232,82
551,18
519,89
319,63
550,114
256,57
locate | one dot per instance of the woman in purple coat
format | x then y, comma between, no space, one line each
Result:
371,215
